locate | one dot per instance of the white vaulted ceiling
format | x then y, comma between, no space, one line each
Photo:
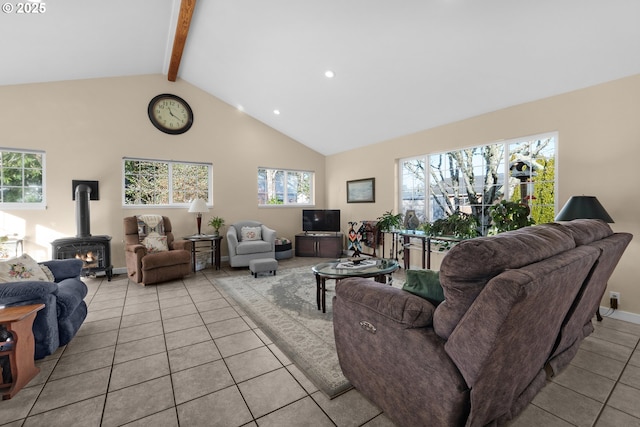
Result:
400,66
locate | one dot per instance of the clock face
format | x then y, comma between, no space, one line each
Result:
170,114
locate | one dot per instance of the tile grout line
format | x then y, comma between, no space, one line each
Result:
604,405
283,366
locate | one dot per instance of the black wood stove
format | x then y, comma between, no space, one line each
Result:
94,251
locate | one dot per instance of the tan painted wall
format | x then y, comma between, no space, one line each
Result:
86,127
599,147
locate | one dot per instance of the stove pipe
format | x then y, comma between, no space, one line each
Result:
82,210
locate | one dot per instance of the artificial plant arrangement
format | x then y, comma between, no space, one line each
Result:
216,222
508,215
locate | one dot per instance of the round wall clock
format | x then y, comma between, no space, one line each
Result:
170,114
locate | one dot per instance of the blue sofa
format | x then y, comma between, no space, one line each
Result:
65,310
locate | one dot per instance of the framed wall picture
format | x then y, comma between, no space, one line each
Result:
361,191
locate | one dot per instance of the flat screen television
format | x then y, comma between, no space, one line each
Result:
314,220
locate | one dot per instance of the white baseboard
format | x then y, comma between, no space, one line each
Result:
117,270
620,315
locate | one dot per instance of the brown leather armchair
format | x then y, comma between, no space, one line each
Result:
147,267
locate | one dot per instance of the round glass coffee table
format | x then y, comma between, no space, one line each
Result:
378,268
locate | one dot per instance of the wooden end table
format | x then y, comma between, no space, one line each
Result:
19,321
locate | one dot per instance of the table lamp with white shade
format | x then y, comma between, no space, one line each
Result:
198,206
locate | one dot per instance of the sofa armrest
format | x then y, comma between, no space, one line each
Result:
388,351
137,249
64,268
232,240
403,308
182,245
13,292
269,235
71,293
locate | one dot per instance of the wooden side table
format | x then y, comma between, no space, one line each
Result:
19,321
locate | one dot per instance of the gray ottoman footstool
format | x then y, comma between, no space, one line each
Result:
263,265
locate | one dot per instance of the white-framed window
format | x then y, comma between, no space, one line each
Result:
22,179
284,187
472,179
149,182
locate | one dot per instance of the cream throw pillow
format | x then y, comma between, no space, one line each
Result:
156,244
251,233
21,269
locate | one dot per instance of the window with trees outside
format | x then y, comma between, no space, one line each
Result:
166,183
284,187
22,178
470,180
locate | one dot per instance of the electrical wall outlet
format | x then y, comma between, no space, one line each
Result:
614,299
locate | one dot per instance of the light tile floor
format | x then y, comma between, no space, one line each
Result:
183,354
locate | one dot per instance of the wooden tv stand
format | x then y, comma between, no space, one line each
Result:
324,245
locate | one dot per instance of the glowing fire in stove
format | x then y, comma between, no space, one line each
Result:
89,259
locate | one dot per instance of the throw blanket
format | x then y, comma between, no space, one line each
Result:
151,233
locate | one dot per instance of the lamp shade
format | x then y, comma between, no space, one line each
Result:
585,207
198,206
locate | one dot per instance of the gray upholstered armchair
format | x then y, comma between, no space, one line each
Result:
249,240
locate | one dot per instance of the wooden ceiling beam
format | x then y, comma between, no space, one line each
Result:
182,30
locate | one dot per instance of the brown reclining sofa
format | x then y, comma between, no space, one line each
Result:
517,306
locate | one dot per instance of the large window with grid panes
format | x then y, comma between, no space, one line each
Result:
277,187
22,179
165,183
470,180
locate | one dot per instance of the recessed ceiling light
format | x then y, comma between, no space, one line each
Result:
276,112
329,74
240,108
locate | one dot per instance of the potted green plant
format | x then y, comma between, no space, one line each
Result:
508,215
216,222
388,221
459,225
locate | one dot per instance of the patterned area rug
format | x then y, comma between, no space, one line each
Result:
284,306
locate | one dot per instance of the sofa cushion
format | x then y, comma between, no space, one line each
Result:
502,342
165,259
64,268
469,265
21,269
585,231
425,284
252,247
